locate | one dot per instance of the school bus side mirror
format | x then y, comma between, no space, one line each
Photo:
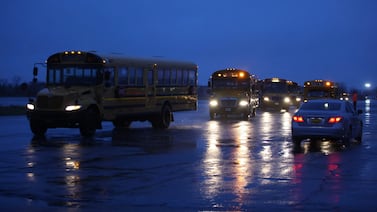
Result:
35,71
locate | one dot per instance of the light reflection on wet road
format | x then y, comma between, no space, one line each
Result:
197,164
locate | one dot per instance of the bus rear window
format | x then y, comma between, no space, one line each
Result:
320,106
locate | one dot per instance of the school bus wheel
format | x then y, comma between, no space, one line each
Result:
37,127
89,122
163,119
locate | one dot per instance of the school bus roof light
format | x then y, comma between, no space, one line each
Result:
72,52
275,79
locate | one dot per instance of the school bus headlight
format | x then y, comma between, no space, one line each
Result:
266,99
72,107
287,100
30,106
213,103
243,103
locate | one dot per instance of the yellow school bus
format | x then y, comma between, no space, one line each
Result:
278,93
320,89
85,88
233,91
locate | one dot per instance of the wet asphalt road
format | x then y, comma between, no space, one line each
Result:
195,165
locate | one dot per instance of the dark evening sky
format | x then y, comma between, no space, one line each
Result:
294,39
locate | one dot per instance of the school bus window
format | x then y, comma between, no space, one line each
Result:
131,76
68,75
192,77
160,73
51,76
123,76
139,76
150,77
179,77
173,76
166,77
89,73
85,73
91,76
58,76
184,77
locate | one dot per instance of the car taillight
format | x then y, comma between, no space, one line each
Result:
336,119
298,119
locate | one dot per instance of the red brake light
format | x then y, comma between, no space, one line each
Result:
298,119
333,120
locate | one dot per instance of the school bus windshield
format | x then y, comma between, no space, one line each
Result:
275,88
74,76
231,83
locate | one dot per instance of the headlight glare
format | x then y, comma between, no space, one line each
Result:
72,107
30,106
287,100
243,103
213,103
266,98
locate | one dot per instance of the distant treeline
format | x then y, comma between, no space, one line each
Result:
20,89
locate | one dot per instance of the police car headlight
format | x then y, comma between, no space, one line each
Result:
30,106
287,100
266,98
243,103
213,103
72,107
